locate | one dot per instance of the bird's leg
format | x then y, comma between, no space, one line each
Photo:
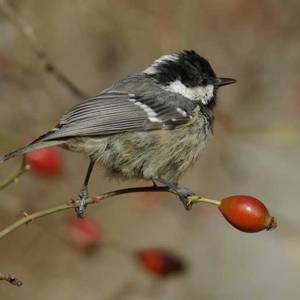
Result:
84,194
182,192
153,182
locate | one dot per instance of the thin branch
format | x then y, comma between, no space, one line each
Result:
28,32
11,279
94,200
15,177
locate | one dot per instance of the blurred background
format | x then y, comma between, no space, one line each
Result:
255,151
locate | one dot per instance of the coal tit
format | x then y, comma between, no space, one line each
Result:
150,125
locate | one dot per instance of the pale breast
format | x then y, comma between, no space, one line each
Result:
161,153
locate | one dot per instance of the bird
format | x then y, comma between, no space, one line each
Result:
152,125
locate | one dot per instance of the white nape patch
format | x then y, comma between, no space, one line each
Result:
152,69
198,93
151,114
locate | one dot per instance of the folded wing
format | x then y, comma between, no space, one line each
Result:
117,112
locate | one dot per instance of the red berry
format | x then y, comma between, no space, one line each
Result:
47,161
246,213
161,262
85,234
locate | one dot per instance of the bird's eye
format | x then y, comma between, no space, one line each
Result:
204,81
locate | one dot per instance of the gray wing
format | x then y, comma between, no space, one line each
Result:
117,112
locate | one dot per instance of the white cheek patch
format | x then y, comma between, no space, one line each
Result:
199,93
208,94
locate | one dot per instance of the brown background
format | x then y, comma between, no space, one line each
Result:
255,149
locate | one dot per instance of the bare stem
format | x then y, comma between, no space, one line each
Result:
196,199
11,279
28,32
14,178
94,200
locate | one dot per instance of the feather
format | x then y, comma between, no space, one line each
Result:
29,148
116,112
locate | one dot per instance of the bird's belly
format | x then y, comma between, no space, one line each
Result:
162,153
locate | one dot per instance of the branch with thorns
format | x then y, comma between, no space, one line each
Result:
95,200
15,177
11,279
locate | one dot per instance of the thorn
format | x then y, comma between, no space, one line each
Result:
11,279
25,214
14,281
73,201
95,199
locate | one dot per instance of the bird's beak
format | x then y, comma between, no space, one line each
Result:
223,81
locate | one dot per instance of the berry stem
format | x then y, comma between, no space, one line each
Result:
196,199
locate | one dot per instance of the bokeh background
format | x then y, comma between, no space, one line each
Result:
255,150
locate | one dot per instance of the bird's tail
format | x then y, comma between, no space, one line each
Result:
29,148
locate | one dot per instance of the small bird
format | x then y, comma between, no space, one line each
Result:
150,125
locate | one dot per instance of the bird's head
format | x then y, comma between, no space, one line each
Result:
188,74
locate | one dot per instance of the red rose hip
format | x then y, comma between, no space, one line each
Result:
85,234
47,161
246,213
161,262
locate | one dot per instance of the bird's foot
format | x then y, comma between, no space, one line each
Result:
183,193
154,183
80,210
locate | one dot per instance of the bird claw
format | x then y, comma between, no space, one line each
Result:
81,208
184,195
